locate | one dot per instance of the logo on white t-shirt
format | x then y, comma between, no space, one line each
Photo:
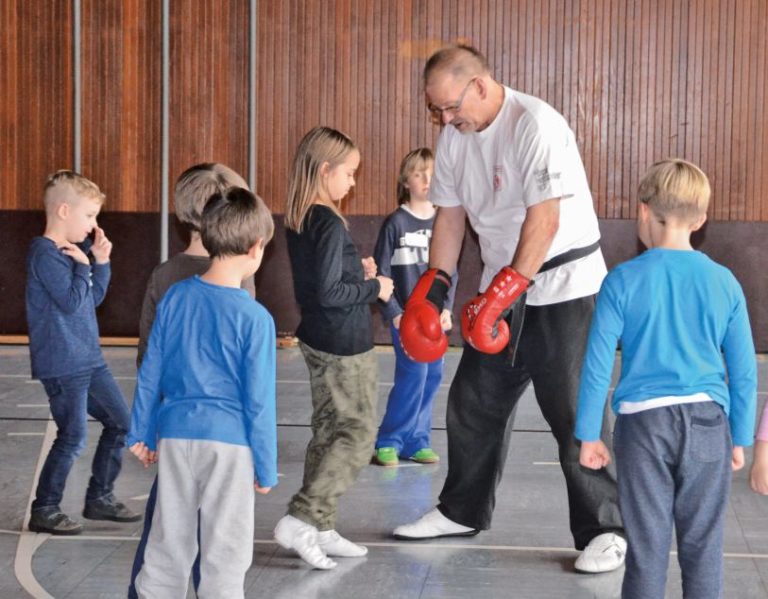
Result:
543,178
497,178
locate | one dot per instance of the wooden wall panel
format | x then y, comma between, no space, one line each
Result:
121,91
209,84
638,81
35,98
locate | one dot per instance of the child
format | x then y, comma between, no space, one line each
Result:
677,314
402,252
63,290
333,289
758,476
211,359
193,189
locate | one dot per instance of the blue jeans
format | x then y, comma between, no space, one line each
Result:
138,560
407,423
674,468
71,399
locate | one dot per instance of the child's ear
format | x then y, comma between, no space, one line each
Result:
62,210
257,247
699,223
324,169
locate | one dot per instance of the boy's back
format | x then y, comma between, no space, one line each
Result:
673,310
211,356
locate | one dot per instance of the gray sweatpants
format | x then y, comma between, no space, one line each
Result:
344,398
217,479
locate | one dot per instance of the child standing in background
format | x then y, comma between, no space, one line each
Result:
334,290
685,400
63,290
402,252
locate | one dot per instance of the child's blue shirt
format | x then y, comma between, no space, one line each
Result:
209,373
61,299
683,325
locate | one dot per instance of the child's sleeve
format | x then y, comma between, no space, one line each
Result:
741,363
332,290
259,380
68,286
604,334
146,397
100,276
382,253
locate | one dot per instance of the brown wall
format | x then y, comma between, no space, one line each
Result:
637,79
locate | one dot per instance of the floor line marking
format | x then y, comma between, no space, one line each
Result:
29,542
396,544
32,405
546,463
28,434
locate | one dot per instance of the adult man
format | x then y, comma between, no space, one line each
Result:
509,162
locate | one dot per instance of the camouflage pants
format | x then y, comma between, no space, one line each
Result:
344,395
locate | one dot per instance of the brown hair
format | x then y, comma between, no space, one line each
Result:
233,221
197,184
318,146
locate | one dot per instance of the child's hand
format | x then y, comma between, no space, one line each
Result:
369,266
594,455
758,475
446,320
259,489
143,453
386,289
102,247
74,252
396,321
737,459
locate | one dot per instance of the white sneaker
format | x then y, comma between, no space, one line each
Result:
431,526
604,553
334,545
292,533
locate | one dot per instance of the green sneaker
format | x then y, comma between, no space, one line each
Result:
386,456
425,456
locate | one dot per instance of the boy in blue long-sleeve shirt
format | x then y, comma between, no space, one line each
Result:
204,407
63,290
685,400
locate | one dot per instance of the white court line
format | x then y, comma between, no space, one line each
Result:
28,434
31,405
29,542
546,463
393,544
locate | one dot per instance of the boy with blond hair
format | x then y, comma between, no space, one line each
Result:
63,290
205,406
685,400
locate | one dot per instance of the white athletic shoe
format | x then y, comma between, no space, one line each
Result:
334,545
604,553
292,533
431,526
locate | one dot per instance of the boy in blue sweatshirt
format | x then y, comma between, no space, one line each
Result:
63,290
205,405
685,400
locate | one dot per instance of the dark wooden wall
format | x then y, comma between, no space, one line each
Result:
638,80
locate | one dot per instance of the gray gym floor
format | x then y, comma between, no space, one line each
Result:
527,554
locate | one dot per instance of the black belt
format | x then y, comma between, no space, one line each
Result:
569,256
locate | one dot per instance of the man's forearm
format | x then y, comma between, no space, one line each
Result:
538,230
447,238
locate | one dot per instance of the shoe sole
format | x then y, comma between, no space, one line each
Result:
135,518
58,533
469,533
425,461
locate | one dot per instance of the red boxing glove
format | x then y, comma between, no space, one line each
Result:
482,318
421,335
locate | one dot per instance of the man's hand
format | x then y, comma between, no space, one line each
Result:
482,318
594,455
102,247
446,320
421,333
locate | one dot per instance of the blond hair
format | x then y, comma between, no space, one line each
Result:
318,146
459,60
414,160
675,188
196,185
54,192
233,221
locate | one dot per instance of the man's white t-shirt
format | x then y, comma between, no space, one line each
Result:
528,154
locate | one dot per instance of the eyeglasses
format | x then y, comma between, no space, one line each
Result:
437,113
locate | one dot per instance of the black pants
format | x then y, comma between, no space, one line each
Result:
480,416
